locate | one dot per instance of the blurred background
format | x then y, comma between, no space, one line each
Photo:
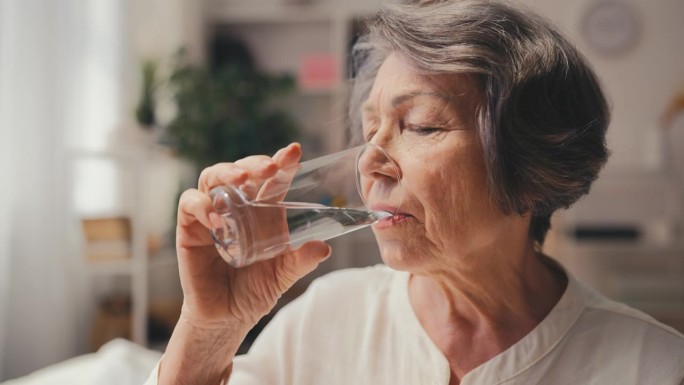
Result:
108,109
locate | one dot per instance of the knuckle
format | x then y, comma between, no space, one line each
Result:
188,198
255,161
204,175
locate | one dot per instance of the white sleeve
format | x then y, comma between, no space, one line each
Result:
153,379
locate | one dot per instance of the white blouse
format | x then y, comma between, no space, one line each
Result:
357,326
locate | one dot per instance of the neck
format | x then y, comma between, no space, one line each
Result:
495,290
485,301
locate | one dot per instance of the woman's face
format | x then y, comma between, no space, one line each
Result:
426,125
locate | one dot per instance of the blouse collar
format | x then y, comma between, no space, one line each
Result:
511,362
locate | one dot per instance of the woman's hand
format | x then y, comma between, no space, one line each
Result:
222,303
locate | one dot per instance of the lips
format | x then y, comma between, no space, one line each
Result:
399,216
387,207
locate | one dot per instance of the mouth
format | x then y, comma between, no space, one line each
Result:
397,215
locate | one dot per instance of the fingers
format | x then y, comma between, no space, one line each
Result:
309,255
276,188
251,171
295,265
197,206
288,156
255,168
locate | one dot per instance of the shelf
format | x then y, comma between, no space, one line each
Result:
124,169
160,260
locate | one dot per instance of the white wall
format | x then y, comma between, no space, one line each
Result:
157,29
639,83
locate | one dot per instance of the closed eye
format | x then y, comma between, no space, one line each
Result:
424,131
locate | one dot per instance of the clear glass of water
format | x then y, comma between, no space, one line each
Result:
319,199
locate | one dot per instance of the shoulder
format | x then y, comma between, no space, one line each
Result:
615,313
357,289
621,335
334,319
365,281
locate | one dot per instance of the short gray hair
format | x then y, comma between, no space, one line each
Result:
543,117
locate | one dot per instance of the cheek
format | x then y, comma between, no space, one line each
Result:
435,193
455,195
445,197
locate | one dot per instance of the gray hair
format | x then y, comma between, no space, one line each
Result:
543,117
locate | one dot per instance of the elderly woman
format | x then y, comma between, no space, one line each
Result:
495,121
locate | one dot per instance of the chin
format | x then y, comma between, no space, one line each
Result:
397,257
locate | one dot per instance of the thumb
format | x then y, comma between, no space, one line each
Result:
302,261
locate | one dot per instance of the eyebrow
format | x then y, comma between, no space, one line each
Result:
405,97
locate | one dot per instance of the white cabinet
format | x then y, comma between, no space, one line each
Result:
140,185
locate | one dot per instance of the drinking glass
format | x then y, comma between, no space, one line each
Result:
319,199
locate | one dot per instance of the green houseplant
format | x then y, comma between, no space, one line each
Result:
145,112
227,110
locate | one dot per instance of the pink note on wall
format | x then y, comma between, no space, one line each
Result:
317,71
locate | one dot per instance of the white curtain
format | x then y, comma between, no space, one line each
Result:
59,85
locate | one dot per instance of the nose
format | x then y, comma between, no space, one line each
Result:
374,163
